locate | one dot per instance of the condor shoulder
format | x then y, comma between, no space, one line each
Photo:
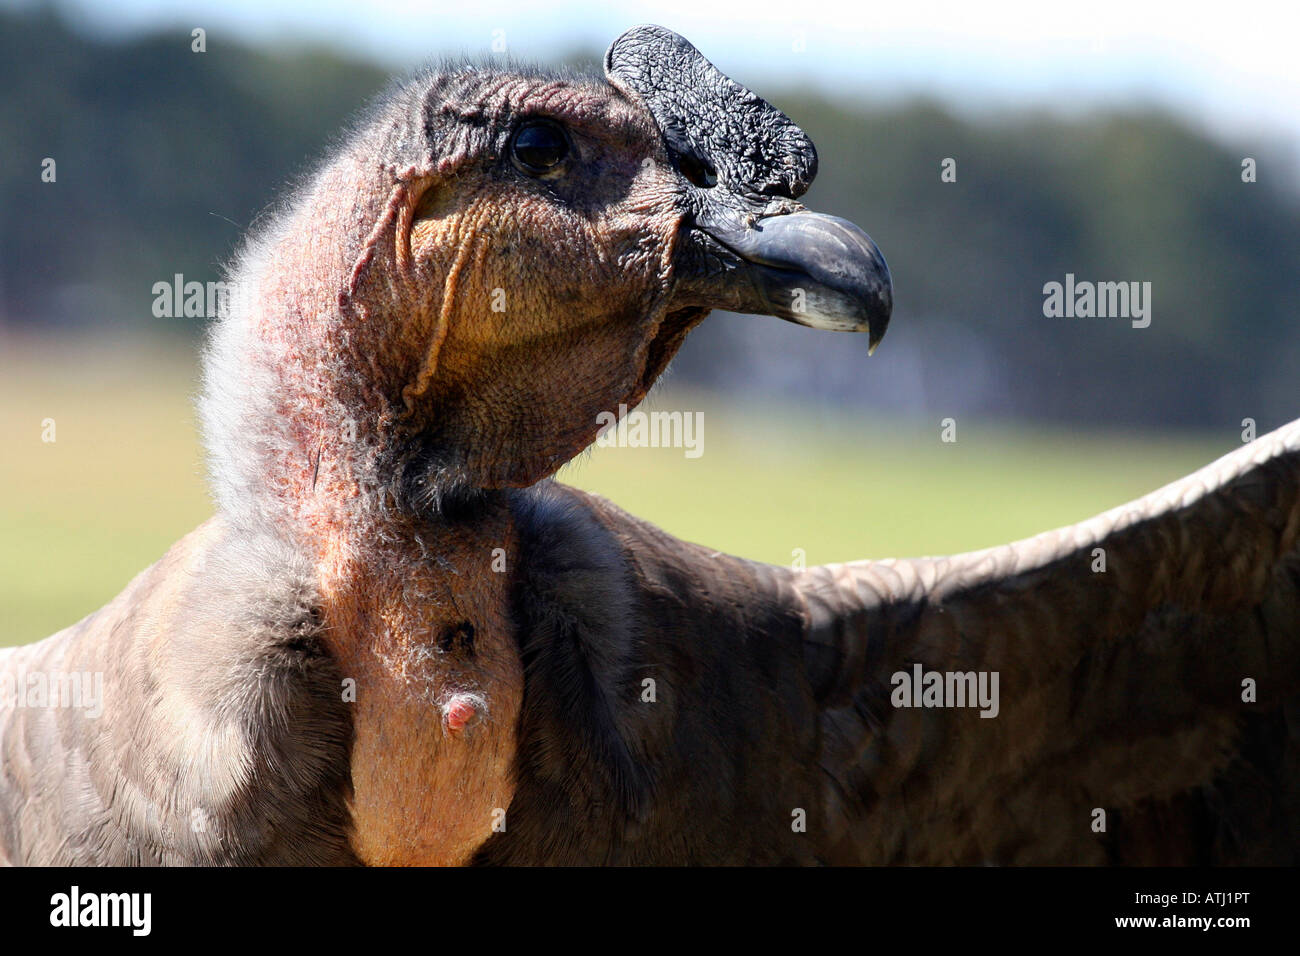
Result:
211,731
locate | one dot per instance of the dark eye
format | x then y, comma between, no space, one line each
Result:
539,146
697,171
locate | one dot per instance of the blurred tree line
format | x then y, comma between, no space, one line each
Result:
164,157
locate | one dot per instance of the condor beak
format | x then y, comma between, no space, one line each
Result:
748,246
815,270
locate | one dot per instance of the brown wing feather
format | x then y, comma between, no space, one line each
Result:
1120,691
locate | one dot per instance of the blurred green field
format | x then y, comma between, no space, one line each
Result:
80,516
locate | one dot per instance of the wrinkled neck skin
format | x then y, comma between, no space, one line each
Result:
311,439
365,403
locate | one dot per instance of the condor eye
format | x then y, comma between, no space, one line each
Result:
539,146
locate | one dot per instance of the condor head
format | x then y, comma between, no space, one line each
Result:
499,255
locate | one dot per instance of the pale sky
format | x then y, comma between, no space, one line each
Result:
1233,67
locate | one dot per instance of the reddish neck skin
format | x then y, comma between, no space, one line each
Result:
417,616
374,326
426,792
434,712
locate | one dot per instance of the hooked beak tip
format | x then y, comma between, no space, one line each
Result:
815,270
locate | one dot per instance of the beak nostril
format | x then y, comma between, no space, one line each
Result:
698,172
